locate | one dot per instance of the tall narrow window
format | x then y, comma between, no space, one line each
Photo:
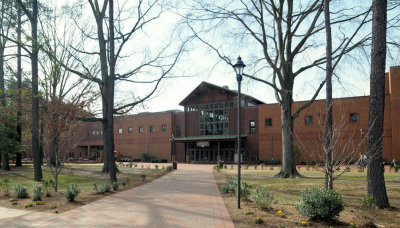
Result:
252,126
119,130
74,133
141,129
130,130
152,128
308,120
268,122
353,117
178,131
163,127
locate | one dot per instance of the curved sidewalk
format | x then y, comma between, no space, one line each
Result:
187,197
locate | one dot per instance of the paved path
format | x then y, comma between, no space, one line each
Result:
187,197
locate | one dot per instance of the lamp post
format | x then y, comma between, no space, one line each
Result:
238,67
362,140
173,147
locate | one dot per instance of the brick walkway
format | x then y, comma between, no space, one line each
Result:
187,197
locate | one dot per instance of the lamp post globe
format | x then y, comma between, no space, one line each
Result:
238,67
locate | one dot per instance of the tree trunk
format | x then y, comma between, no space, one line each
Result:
110,116
375,175
4,154
288,159
18,161
37,166
328,118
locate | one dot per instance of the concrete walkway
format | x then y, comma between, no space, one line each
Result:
187,197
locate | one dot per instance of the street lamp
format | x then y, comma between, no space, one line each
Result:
238,67
362,140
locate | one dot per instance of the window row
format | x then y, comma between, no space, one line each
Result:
91,133
230,104
152,128
353,118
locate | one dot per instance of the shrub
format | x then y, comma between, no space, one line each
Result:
255,167
146,157
48,184
245,189
396,168
71,192
248,213
320,204
225,189
261,197
95,188
271,168
37,193
217,167
115,186
225,166
231,184
143,176
20,191
156,166
246,166
169,168
262,166
104,187
231,166
367,202
5,187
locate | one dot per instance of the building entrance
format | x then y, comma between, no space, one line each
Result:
208,152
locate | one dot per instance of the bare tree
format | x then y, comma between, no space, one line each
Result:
287,33
328,117
375,174
112,50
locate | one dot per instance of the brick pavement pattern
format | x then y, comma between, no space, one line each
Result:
187,197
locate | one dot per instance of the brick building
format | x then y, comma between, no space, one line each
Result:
206,131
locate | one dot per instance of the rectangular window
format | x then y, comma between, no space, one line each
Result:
353,117
74,133
89,133
252,126
130,130
268,122
119,130
152,128
163,127
97,132
141,129
178,131
101,132
308,120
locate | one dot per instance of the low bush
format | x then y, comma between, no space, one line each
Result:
262,197
245,189
146,157
20,191
367,202
37,193
169,168
115,186
48,184
104,187
320,204
231,184
72,192
217,167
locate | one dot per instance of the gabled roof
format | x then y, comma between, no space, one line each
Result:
204,87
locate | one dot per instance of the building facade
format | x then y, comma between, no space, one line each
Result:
206,131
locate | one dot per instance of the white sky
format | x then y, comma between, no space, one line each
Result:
202,64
